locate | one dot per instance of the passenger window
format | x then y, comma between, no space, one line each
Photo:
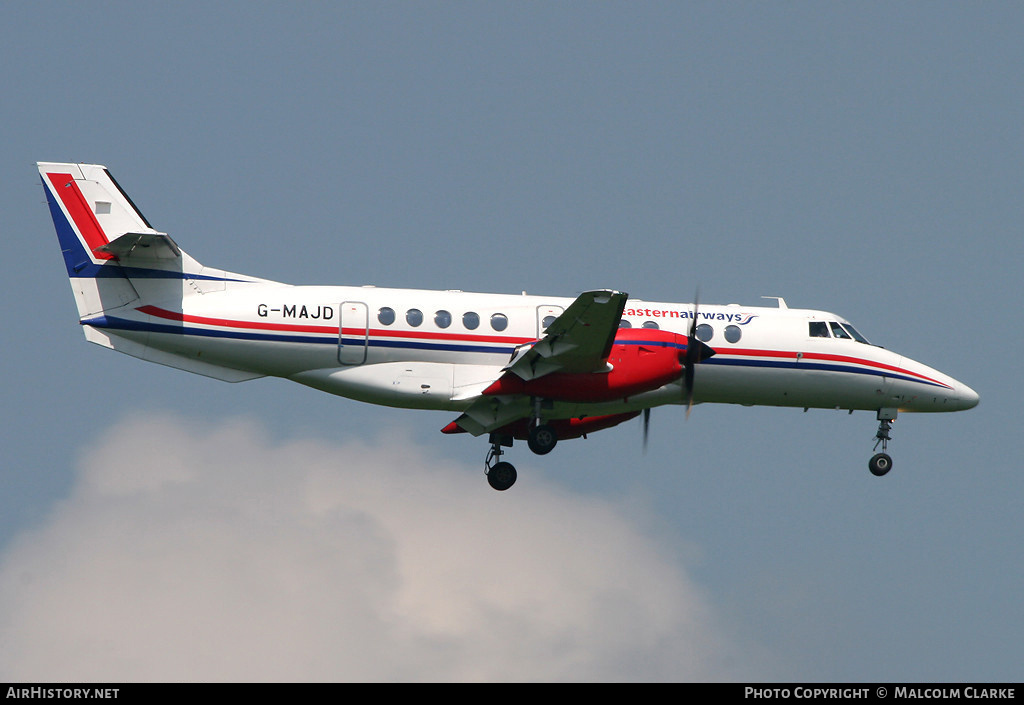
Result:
414,317
837,330
546,323
499,321
623,323
471,320
386,316
651,324
733,334
705,332
819,329
442,319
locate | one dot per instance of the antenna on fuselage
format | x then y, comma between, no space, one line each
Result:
781,301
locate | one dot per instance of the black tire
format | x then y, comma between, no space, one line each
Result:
880,464
502,476
542,439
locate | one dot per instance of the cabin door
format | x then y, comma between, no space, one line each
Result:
545,317
354,333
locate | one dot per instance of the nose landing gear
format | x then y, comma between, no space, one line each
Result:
500,475
881,463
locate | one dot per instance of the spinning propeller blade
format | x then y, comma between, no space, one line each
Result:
696,352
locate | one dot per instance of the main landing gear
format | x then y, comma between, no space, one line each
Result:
501,475
542,439
881,463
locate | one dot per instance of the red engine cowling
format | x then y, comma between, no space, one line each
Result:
641,359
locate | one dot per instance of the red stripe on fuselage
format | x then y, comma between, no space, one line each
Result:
457,337
78,208
226,323
330,330
827,357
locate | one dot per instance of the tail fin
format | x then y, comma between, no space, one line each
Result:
116,260
109,247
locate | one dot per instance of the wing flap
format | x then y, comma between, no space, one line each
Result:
489,413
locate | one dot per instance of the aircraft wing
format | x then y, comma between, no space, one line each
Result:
578,341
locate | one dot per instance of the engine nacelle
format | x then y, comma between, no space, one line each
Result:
641,359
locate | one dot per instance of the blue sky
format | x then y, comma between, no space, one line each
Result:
862,158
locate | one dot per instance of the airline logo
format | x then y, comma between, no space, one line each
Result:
741,319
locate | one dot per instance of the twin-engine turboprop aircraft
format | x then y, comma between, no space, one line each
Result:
534,368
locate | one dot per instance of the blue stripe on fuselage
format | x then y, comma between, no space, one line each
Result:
816,366
117,323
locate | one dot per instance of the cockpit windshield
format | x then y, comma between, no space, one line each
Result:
856,336
835,329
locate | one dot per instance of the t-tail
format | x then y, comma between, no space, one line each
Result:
119,265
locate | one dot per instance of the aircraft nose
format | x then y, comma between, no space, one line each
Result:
967,397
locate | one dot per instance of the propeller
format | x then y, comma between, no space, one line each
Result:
696,352
647,426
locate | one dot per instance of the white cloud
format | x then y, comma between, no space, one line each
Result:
186,553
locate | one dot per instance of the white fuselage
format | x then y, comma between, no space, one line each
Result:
439,349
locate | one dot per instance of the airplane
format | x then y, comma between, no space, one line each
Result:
513,367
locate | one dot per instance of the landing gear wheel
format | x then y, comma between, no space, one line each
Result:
880,464
502,476
542,439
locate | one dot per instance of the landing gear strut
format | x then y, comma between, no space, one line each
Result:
541,437
881,463
500,475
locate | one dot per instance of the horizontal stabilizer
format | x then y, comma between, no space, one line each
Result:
152,245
